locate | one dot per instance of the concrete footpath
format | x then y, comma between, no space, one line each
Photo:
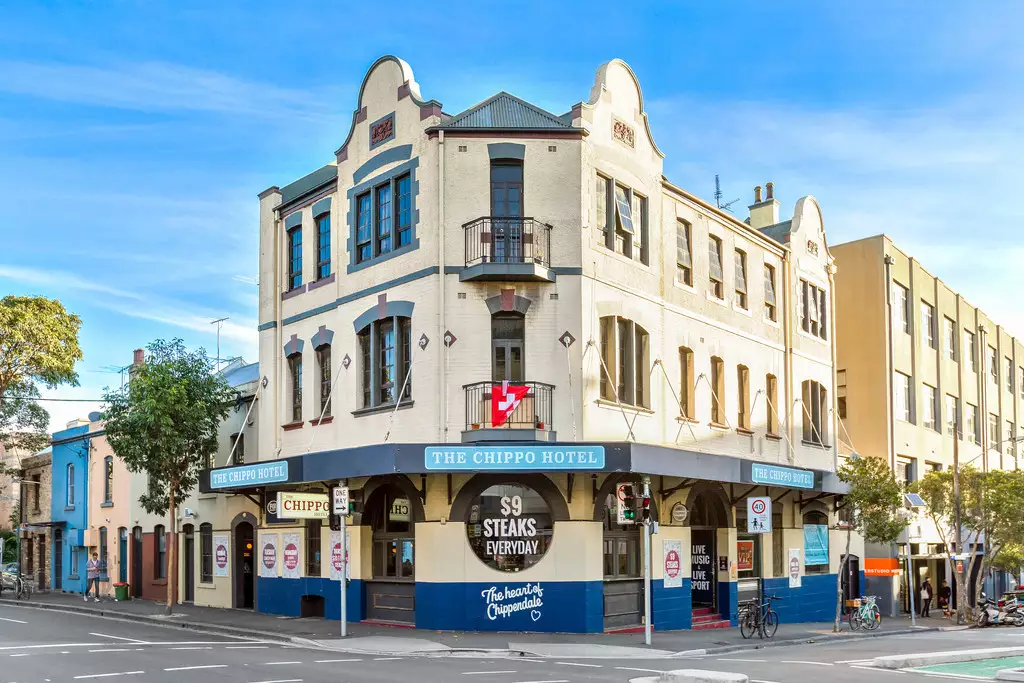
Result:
366,638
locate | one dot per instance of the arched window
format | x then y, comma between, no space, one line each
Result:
717,391
385,349
815,413
108,479
323,364
743,397
103,551
70,492
206,553
160,552
625,351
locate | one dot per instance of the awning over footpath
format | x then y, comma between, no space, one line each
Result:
383,459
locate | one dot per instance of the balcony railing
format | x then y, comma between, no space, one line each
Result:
508,240
533,412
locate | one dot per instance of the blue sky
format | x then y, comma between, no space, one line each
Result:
134,136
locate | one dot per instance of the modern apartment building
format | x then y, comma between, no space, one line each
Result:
915,359
485,323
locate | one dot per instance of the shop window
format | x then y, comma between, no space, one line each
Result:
717,391
509,527
743,397
386,359
815,543
206,553
687,409
624,348
393,545
313,547
622,545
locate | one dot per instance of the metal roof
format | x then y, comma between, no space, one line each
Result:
236,377
778,232
505,111
308,183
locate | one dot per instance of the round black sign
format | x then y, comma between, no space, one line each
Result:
509,527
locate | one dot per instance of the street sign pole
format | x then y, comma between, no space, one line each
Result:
340,507
647,568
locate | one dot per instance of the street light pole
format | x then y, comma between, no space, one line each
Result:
647,567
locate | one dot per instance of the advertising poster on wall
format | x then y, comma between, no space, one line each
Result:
744,555
268,556
793,569
220,555
815,544
290,556
336,556
673,564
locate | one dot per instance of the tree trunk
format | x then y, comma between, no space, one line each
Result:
172,560
843,566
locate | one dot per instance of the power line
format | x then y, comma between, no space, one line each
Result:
62,400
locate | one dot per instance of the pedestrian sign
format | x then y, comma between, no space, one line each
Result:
759,515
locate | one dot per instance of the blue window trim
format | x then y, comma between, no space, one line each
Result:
386,177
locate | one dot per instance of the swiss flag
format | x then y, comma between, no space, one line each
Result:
504,400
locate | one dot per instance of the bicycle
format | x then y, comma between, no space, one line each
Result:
22,588
865,614
758,617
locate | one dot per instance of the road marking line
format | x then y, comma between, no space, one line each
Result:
14,621
727,659
104,635
247,647
756,680
592,666
332,661
485,673
382,659
23,654
192,648
115,649
558,681
283,680
871,668
854,661
802,661
631,668
280,663
122,673
204,666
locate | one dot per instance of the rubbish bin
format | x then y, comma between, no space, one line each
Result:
120,591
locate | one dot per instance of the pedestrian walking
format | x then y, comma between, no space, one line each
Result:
92,577
926,598
944,595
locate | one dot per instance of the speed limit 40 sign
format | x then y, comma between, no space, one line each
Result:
759,515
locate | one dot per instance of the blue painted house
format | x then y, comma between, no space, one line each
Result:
69,508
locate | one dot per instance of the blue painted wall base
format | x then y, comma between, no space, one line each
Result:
284,596
671,608
728,601
815,600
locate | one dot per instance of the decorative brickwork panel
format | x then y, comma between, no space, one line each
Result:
623,132
382,130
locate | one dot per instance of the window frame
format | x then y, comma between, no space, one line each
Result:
971,425
365,218
771,386
294,258
970,341
69,485
930,408
993,361
205,553
160,552
718,392
952,421
684,252
1009,373
928,323
314,547
323,365
370,356
813,309
323,232
239,450
687,407
295,377
902,397
770,300
815,413
994,432
950,331
740,284
743,398
716,284
901,302
108,479
625,348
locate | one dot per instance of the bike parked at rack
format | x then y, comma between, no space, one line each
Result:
758,617
865,614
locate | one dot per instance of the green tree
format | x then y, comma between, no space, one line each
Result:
164,422
38,345
873,503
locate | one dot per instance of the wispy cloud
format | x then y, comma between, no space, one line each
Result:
158,87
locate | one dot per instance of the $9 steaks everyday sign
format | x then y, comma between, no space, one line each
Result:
509,527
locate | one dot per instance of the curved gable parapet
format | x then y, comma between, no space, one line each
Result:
407,87
605,76
809,227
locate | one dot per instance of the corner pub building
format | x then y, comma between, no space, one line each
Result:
485,322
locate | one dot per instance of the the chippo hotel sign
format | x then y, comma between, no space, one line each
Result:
510,526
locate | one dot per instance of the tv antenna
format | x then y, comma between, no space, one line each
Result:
718,197
218,322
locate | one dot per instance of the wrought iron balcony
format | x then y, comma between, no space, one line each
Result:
507,249
529,421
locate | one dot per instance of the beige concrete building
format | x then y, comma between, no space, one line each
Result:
915,359
508,304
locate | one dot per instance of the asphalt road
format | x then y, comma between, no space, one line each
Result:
39,646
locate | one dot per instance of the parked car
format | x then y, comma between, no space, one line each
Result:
7,574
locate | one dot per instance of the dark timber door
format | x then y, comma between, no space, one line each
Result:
244,576
702,567
122,555
137,562
58,559
507,210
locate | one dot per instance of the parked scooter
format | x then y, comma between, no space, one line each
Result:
994,613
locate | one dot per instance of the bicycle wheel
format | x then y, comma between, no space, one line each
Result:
748,626
874,619
856,620
770,624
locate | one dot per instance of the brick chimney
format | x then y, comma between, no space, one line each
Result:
766,212
139,357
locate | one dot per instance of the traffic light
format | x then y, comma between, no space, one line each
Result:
645,506
625,504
